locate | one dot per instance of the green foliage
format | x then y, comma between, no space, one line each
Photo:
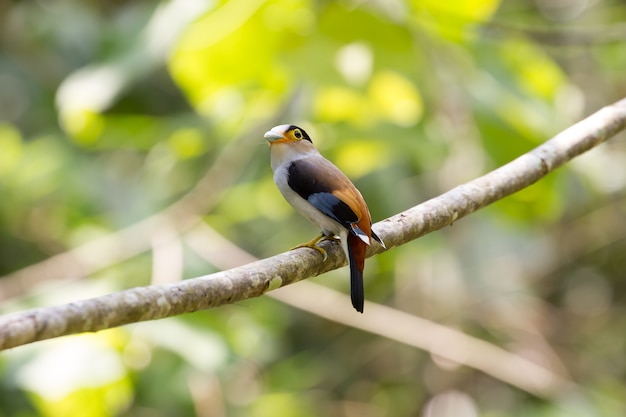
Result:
111,112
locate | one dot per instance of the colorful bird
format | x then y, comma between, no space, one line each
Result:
319,191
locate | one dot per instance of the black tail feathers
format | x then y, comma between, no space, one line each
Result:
357,292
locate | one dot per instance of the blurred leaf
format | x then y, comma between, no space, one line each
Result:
222,72
451,19
281,405
81,375
40,171
84,126
360,157
187,143
339,104
396,98
10,148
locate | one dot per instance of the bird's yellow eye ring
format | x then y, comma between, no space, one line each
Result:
297,134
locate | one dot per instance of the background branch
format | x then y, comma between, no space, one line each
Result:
559,37
137,238
254,279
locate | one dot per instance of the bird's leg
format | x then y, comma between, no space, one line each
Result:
313,244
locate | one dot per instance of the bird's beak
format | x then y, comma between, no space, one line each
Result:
272,136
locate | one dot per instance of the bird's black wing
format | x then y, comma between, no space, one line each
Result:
315,181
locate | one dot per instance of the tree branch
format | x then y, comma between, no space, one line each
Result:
436,339
254,279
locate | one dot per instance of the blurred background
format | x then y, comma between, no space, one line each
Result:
132,152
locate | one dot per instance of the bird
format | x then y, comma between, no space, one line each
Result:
320,192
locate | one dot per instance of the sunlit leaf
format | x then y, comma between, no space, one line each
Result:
523,63
10,148
187,143
82,375
396,98
227,61
336,104
359,158
453,20
84,126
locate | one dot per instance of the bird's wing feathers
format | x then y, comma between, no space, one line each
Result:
324,186
378,239
333,207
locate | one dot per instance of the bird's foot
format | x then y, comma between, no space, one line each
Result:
313,244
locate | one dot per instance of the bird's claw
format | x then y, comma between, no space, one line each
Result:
313,245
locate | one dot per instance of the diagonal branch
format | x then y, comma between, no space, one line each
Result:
254,279
434,338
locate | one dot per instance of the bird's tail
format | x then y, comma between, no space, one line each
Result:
356,257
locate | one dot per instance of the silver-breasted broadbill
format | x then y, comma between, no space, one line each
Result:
319,191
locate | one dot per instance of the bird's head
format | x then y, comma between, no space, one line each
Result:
288,134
